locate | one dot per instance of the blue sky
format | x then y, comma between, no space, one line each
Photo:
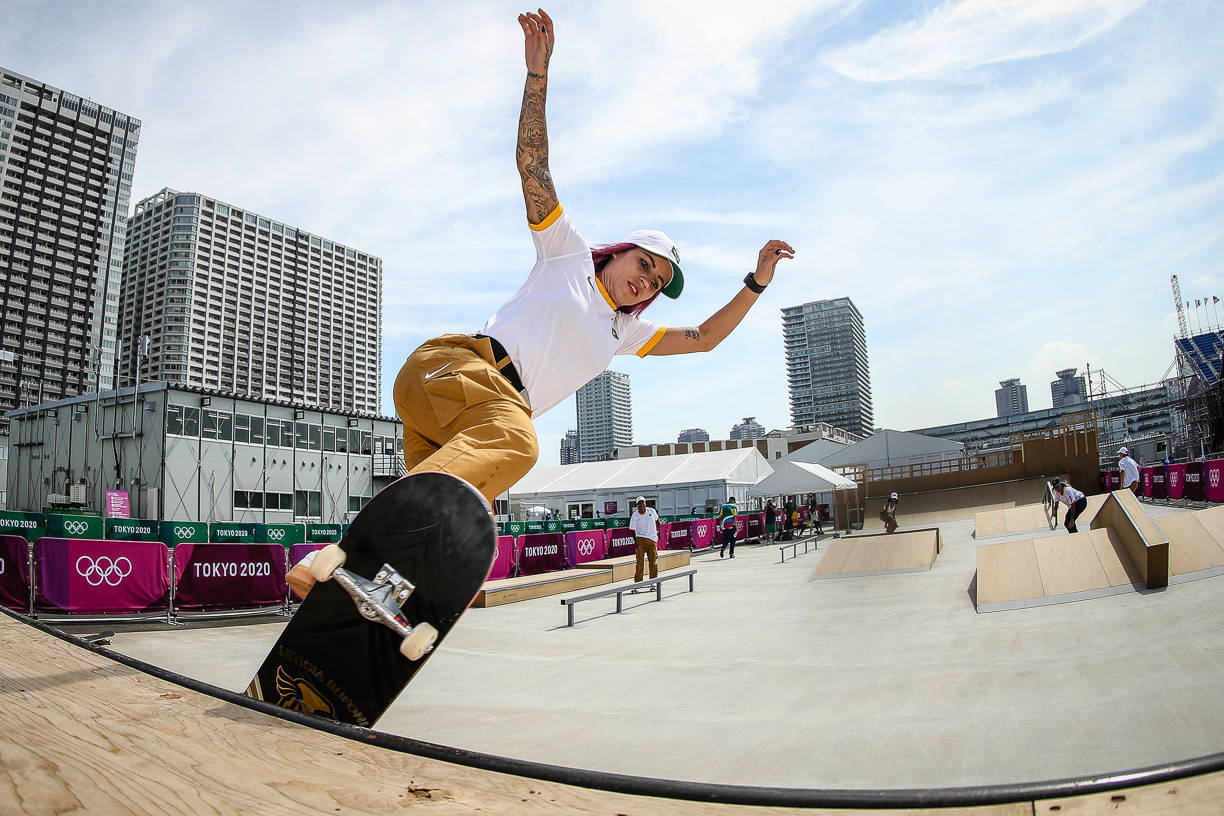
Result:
1003,188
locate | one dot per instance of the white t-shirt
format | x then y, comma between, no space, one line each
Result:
645,525
1130,471
1069,495
560,328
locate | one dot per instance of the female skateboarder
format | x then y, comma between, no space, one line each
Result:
467,400
1075,501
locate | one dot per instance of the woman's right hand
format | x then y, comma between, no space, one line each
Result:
539,38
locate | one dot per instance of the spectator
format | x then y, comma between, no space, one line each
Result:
771,521
727,522
1130,471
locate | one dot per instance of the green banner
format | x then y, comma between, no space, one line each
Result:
183,532
231,532
535,527
591,524
60,525
286,534
514,528
31,526
324,533
118,529
567,526
614,523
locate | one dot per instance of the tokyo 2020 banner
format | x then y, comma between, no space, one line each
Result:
582,546
15,573
229,576
620,542
503,564
91,576
541,552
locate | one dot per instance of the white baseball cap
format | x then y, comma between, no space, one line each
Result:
656,241
641,499
1122,451
893,496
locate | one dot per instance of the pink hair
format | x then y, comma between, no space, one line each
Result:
600,255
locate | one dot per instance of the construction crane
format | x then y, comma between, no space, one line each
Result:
1177,301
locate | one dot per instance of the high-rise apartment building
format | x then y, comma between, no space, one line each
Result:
1011,398
826,365
569,448
693,435
749,428
605,416
234,300
66,168
1068,389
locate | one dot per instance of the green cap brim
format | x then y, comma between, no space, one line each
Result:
676,285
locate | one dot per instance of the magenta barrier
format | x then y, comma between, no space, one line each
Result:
702,535
503,563
1111,480
754,525
302,549
741,528
677,536
217,576
15,573
1213,480
620,542
1176,481
540,552
582,546
1145,482
1160,484
92,576
1194,481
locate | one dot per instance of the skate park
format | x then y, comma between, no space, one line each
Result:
763,687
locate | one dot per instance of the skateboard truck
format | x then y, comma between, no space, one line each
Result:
378,600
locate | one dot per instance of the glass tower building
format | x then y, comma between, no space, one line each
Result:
605,416
826,365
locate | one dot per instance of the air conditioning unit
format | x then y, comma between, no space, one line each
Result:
78,493
58,498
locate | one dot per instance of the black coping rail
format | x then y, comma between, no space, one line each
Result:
657,583
713,792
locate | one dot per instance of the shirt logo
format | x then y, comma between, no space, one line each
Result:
433,374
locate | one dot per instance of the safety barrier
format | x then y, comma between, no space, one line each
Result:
1175,482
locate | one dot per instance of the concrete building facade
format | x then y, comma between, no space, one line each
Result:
827,369
233,300
1011,398
197,455
1068,389
605,416
66,167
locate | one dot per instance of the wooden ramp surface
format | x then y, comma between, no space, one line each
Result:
85,734
1196,544
526,587
1054,569
860,555
623,568
925,509
1029,517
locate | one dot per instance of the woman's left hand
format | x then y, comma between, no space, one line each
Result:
771,253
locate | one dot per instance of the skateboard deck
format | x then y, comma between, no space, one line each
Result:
432,529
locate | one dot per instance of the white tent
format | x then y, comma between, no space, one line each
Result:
801,477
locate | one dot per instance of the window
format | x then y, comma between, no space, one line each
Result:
307,503
242,428
355,503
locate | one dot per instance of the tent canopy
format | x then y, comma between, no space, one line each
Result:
801,477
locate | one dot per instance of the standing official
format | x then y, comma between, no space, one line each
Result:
1130,471
645,524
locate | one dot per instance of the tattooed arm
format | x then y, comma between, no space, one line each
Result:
720,324
532,150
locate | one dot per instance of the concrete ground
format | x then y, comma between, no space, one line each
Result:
766,677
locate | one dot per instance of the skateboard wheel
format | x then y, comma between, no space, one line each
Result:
326,562
423,636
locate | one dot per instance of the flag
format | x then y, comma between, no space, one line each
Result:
1196,303
1215,298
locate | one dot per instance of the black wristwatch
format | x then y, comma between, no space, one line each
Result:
751,282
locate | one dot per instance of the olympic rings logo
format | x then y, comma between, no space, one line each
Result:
276,534
75,527
184,532
586,546
1215,478
104,570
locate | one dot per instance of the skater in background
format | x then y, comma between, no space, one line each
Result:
1130,470
888,514
1075,500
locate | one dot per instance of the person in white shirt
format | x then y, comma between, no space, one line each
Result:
1130,470
645,525
1074,499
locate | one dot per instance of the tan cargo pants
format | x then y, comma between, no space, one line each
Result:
462,417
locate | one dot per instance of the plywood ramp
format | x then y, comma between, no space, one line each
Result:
1029,518
859,555
1054,569
524,588
924,509
1196,544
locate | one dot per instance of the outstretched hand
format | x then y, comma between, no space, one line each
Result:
539,38
771,253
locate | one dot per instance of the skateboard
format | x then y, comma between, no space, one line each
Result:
409,565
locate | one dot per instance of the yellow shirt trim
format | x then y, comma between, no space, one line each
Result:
652,342
604,292
547,222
